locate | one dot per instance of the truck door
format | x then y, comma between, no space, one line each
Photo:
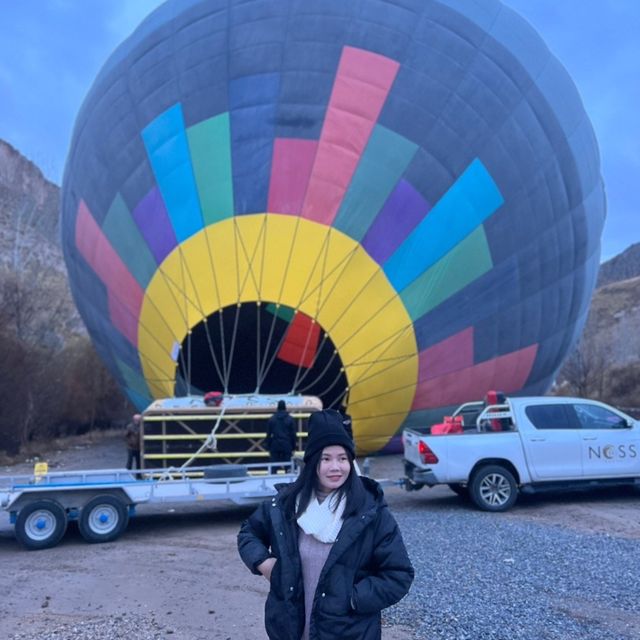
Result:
551,443
610,447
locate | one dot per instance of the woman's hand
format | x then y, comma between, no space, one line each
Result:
266,567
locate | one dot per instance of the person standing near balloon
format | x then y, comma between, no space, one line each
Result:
281,435
347,422
132,438
328,545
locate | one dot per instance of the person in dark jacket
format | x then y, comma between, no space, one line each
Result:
281,435
347,423
132,438
329,546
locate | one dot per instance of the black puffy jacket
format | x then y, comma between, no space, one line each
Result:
281,433
368,567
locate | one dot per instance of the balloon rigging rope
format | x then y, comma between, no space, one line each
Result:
172,286
398,335
161,346
267,364
187,327
160,315
259,306
239,245
212,351
258,354
227,372
183,312
322,254
182,308
197,304
238,240
328,388
274,354
438,276
262,373
343,266
391,341
387,391
321,374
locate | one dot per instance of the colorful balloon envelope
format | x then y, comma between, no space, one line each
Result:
391,204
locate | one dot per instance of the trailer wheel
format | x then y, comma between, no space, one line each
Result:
493,488
103,519
41,524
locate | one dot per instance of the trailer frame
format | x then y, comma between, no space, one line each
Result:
40,505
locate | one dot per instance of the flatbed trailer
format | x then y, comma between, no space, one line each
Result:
41,505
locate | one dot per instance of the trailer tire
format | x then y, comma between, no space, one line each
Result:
103,519
493,488
226,473
41,524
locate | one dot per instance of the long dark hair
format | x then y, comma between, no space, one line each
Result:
307,481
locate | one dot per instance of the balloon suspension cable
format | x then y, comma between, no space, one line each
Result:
262,373
320,374
211,441
212,352
267,361
232,346
323,275
258,354
345,262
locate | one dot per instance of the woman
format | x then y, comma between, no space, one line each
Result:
328,544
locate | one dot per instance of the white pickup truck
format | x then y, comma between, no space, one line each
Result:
524,445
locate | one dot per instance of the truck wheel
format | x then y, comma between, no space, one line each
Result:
41,524
493,488
459,489
103,519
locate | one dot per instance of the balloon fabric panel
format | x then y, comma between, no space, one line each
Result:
168,150
210,149
155,225
124,236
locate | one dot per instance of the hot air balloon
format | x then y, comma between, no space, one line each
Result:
391,204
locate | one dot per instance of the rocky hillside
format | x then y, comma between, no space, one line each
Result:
614,317
606,363
614,320
622,267
34,293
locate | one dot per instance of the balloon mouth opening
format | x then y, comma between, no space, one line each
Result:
261,347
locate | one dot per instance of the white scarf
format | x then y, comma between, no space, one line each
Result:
320,521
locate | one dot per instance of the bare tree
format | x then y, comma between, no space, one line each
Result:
585,370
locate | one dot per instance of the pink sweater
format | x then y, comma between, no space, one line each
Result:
313,555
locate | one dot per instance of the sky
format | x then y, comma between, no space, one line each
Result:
52,50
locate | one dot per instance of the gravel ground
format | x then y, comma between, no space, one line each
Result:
483,576
99,628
